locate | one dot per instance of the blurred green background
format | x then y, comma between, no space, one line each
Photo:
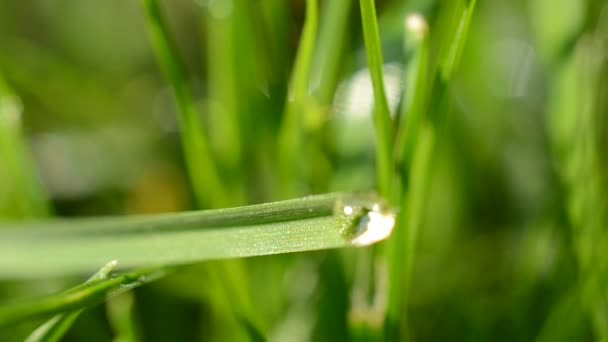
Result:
513,238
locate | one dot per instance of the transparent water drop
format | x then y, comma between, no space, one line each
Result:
364,221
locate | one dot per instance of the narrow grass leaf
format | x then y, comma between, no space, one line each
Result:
54,329
23,194
409,136
415,89
91,293
382,119
310,223
290,133
456,47
201,167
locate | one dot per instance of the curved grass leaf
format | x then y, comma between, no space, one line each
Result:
87,294
56,327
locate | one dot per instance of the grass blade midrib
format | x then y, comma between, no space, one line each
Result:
294,209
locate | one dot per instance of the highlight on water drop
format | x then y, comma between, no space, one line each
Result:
365,221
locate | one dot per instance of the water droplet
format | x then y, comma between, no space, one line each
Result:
364,220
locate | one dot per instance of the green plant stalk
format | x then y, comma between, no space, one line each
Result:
202,170
68,246
223,92
291,130
26,197
84,295
56,327
328,63
414,92
409,136
382,119
335,23
452,58
403,250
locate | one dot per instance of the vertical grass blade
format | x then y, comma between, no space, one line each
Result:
224,97
382,119
22,194
414,139
291,131
416,144
330,50
415,89
452,58
202,170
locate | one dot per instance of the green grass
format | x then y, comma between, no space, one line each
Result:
310,223
225,155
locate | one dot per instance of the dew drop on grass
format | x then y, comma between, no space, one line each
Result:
364,222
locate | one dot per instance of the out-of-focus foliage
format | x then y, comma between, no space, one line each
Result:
512,234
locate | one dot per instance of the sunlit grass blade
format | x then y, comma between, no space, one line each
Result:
54,329
87,294
290,136
413,175
416,145
202,170
23,195
414,90
309,223
330,50
452,58
382,120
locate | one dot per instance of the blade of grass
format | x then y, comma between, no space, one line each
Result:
414,91
382,119
25,196
411,138
366,318
224,96
416,144
84,295
309,223
452,58
329,62
56,327
202,170
291,130
330,50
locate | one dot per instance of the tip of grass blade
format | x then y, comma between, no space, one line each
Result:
58,325
416,24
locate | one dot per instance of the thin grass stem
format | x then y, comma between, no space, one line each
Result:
291,130
382,119
202,169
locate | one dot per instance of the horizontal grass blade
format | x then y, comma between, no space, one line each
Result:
78,245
